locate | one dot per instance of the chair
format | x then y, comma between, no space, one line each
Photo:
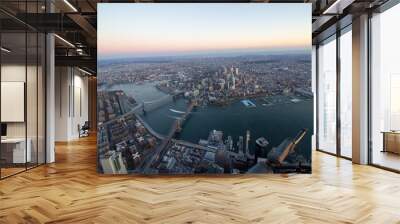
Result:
84,130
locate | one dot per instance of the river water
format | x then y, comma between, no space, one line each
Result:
275,121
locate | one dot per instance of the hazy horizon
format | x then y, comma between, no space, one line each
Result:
201,30
210,54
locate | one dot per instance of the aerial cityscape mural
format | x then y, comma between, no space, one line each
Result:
204,88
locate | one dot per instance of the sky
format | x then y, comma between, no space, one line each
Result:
151,29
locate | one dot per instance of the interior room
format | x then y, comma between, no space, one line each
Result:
57,166
22,103
384,90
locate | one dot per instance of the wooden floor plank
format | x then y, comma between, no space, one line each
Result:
70,191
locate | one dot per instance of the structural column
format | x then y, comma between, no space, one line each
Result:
360,89
50,99
92,101
50,91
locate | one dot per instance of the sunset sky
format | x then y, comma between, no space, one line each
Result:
144,30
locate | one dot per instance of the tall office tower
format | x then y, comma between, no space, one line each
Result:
229,143
225,69
113,163
215,137
233,82
237,71
247,140
261,147
223,160
232,69
278,154
240,144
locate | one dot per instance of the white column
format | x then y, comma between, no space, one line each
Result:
360,90
50,98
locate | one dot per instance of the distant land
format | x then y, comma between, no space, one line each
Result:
168,58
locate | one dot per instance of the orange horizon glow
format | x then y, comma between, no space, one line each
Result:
144,29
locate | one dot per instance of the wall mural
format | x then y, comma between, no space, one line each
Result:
204,88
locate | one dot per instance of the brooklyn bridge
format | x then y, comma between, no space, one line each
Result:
147,106
175,129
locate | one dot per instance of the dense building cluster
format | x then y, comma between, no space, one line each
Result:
111,104
126,143
218,80
216,156
213,155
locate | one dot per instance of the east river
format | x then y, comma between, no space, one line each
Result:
275,119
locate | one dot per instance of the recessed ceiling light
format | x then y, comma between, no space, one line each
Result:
64,40
337,7
5,50
84,71
70,5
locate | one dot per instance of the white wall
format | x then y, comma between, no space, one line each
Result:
71,87
62,82
16,73
33,126
11,73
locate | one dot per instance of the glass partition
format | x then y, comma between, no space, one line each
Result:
327,95
13,115
346,93
41,97
22,88
385,89
31,97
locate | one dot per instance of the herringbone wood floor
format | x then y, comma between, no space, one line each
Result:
70,191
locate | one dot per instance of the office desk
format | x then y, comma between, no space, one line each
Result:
13,150
391,141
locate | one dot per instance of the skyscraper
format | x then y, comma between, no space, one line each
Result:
233,82
240,144
247,140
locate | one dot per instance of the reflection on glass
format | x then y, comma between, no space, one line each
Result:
394,102
14,153
327,96
23,91
41,98
385,92
346,94
31,99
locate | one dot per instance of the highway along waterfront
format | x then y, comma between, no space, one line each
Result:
274,118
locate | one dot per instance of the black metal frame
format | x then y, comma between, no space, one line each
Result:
37,164
338,98
387,5
369,55
339,32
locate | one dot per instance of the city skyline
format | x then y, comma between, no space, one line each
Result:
206,115
151,30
